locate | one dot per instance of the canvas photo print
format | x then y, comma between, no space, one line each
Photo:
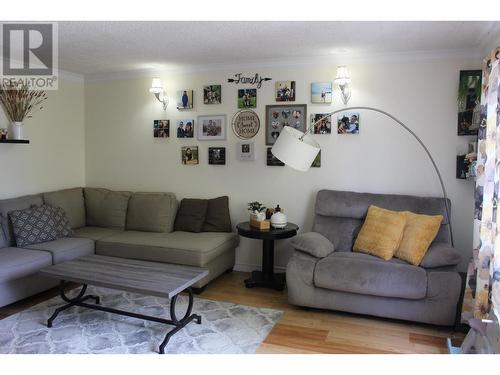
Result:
348,123
469,102
273,161
317,161
212,94
245,151
161,128
216,155
285,91
322,127
185,128
185,99
189,155
247,98
321,92
279,116
211,127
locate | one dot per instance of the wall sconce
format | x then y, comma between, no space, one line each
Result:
343,79
160,93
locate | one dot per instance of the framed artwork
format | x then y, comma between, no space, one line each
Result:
185,99
322,127
317,161
279,116
217,156
245,151
161,128
469,102
348,123
211,128
285,91
321,92
247,98
185,128
245,124
273,161
212,94
189,155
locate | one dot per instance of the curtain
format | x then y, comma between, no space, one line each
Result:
482,291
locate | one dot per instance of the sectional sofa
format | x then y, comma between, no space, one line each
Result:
112,223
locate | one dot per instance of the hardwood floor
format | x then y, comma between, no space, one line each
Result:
312,331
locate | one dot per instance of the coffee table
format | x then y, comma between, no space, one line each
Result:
149,278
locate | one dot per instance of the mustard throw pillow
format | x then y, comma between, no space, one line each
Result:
418,235
381,232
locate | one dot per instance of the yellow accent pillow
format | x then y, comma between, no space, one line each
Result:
418,235
381,232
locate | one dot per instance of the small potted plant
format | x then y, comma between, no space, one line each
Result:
257,211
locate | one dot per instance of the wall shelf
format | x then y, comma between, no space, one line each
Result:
24,141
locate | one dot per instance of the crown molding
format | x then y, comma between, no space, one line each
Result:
473,54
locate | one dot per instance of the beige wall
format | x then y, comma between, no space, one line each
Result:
54,159
122,154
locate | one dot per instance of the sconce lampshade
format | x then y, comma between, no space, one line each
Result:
295,150
156,86
342,75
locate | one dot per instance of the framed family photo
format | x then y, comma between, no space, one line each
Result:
273,161
245,151
185,128
217,156
212,94
279,116
285,91
212,128
185,99
189,155
321,92
161,128
348,123
247,98
321,127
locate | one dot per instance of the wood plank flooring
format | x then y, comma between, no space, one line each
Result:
312,331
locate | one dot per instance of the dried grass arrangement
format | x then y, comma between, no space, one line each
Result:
19,102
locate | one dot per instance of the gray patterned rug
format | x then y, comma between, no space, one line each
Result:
226,328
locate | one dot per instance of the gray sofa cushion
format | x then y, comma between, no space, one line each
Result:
151,212
16,263
192,249
95,233
365,274
191,215
71,201
13,204
313,243
217,218
440,254
106,208
34,225
65,249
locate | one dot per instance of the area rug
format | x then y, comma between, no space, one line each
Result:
226,328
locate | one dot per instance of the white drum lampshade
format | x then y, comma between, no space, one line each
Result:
295,150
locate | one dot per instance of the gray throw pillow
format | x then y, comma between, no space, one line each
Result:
62,223
151,212
218,218
440,254
33,225
313,243
191,215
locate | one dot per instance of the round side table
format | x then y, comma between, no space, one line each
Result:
267,277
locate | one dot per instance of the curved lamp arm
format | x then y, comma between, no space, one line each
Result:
436,169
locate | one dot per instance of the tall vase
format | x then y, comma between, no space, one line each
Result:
17,129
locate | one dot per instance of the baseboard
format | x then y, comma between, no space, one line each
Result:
242,267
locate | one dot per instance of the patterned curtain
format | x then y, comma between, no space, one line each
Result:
483,275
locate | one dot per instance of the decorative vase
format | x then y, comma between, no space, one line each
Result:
17,129
258,216
278,220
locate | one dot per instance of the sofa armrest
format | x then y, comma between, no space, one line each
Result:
441,254
313,243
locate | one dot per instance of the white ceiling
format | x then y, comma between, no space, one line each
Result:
98,48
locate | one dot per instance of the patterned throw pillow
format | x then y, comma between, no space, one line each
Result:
38,224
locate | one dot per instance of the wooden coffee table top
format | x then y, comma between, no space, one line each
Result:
150,278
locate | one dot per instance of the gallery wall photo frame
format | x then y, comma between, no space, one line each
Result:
245,124
245,151
216,156
211,128
281,115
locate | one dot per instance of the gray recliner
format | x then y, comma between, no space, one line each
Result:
360,283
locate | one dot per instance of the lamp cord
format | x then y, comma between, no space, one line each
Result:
436,169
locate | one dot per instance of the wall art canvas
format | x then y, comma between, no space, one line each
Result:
211,128
212,94
189,155
217,156
285,91
185,128
273,161
348,123
247,98
322,127
469,102
321,92
279,116
185,99
161,128
245,151
317,161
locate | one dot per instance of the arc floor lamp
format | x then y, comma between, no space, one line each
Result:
298,150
